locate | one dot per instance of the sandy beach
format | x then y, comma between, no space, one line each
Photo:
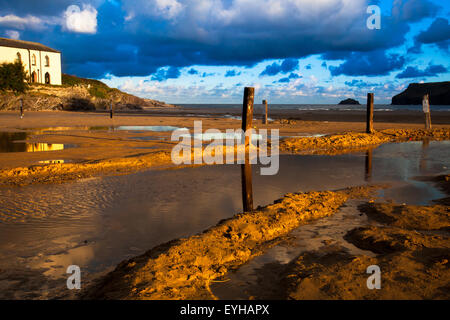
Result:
75,149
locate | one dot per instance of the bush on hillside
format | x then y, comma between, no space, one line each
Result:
13,77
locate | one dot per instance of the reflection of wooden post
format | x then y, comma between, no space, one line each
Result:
111,110
247,112
368,165
369,125
426,110
247,192
265,115
21,108
423,161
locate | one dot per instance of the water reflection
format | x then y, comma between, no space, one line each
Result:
96,223
247,188
368,165
14,142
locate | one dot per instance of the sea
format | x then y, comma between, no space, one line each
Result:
315,107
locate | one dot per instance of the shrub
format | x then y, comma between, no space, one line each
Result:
13,77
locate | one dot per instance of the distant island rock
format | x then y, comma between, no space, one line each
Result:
439,93
349,101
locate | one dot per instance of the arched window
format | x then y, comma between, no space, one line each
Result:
47,61
19,57
33,60
47,78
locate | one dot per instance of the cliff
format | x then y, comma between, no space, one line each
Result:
439,93
76,94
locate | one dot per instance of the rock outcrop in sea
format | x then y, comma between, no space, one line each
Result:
349,101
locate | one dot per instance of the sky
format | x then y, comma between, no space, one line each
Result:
207,51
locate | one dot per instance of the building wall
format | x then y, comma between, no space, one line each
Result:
8,54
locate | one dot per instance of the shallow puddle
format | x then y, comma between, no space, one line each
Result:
14,142
96,223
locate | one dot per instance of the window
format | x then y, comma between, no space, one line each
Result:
47,61
19,57
33,60
47,78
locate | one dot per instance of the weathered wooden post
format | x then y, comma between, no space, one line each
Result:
426,110
246,168
111,110
369,124
21,108
247,112
265,115
368,165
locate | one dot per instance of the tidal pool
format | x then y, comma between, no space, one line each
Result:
96,223
15,142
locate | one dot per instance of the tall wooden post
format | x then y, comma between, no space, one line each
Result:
246,168
111,110
265,115
21,108
369,120
426,110
247,112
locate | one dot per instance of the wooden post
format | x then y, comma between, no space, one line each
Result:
426,110
21,108
265,116
247,190
111,110
368,165
369,124
247,112
246,168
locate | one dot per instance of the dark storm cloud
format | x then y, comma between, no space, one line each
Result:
137,38
375,63
414,72
438,33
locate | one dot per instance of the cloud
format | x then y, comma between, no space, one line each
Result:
12,34
375,63
192,71
81,20
292,76
31,22
430,71
286,66
413,10
438,33
232,73
166,73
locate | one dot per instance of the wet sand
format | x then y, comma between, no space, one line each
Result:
101,150
174,270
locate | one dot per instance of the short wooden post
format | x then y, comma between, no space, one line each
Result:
368,165
247,190
21,108
369,124
111,110
247,112
426,110
265,115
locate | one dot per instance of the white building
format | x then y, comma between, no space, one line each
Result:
42,64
